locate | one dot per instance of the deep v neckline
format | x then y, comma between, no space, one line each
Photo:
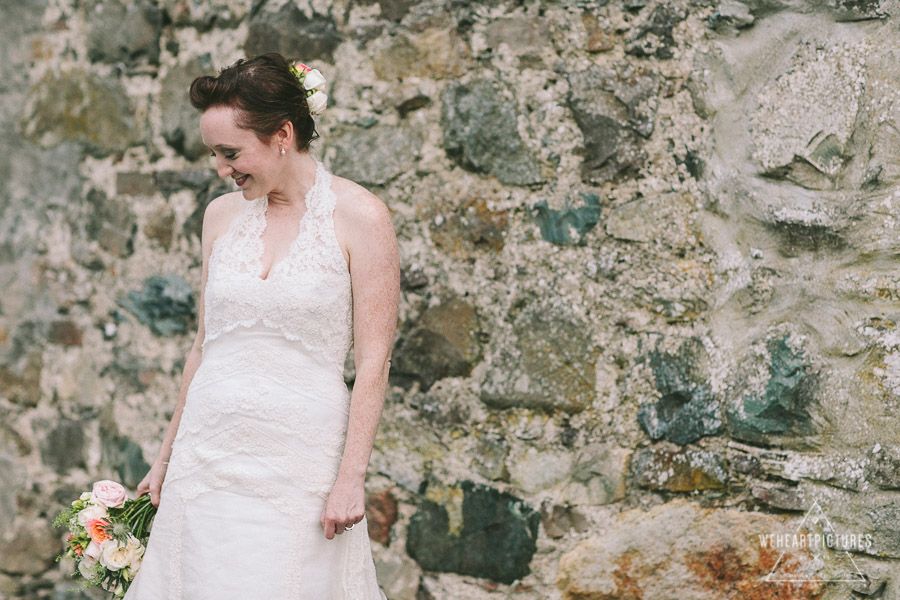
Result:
301,224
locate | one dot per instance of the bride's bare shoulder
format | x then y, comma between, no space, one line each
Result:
220,212
355,204
359,215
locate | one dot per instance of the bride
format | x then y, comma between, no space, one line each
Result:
259,480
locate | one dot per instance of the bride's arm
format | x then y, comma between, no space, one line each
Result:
375,280
215,213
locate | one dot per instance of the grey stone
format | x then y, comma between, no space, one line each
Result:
135,184
197,180
537,469
428,356
444,344
652,35
687,409
111,222
63,447
10,588
631,221
598,476
181,125
31,550
206,14
377,155
435,53
615,108
397,574
123,31
21,21
857,10
523,34
489,458
683,470
392,10
12,480
165,304
783,407
569,225
292,34
129,371
470,230
65,333
20,381
481,133
559,519
461,534
855,470
884,468
83,107
731,12
799,231
547,363
125,457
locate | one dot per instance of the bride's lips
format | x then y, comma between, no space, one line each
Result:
241,180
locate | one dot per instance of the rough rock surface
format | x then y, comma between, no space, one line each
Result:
648,254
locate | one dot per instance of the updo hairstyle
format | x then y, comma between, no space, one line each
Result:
265,93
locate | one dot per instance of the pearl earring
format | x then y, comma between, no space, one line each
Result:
282,151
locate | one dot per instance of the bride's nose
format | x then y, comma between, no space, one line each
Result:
223,168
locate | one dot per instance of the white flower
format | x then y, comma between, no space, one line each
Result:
87,566
85,496
113,556
131,572
92,551
313,79
136,548
92,511
136,566
116,557
317,103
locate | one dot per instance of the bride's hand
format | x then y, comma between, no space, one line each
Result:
152,482
346,505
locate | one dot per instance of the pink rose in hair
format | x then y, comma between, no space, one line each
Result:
109,493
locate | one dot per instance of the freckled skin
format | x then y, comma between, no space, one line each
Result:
365,233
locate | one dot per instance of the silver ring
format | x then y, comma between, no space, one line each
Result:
348,526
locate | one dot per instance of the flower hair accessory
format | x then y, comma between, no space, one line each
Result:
313,82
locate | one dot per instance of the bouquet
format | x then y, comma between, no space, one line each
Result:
107,536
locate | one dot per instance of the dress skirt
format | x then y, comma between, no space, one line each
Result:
257,451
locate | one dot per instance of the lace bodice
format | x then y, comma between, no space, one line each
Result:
306,296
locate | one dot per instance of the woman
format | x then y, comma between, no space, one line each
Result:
259,482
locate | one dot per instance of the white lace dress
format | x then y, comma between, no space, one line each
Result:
261,437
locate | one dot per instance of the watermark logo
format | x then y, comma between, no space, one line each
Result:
816,551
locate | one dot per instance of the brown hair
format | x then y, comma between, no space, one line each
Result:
265,93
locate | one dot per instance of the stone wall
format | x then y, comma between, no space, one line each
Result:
650,294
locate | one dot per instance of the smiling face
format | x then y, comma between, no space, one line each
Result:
239,154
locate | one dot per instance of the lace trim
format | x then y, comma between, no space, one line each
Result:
307,295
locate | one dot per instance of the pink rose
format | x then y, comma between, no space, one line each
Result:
95,529
109,493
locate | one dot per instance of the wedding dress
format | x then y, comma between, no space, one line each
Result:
260,440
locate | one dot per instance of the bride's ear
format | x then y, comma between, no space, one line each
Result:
285,135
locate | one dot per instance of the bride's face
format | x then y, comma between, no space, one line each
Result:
239,154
